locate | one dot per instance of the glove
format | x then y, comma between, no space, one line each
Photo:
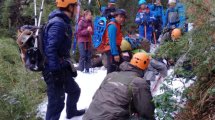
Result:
71,68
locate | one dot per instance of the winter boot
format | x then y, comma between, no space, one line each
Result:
77,113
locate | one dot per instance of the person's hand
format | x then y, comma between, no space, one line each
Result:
117,58
90,29
71,68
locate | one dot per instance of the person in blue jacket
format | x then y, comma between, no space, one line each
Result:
175,18
157,9
113,38
145,19
59,71
175,15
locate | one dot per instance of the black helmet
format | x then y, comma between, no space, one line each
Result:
121,12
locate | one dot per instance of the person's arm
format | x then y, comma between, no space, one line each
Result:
165,19
159,66
81,30
55,36
112,34
142,99
138,19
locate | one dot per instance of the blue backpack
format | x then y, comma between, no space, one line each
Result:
100,25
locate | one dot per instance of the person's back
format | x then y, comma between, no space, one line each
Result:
119,92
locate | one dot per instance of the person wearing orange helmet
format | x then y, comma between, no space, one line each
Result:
59,71
124,93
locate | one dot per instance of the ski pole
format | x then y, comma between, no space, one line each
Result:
155,40
35,12
39,22
154,89
76,27
145,30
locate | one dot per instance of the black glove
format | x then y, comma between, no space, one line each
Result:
71,68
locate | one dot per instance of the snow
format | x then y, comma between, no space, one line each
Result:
89,83
179,84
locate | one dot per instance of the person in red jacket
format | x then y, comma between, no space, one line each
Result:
85,31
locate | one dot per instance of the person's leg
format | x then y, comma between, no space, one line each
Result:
82,53
109,61
88,57
112,65
141,31
55,94
73,93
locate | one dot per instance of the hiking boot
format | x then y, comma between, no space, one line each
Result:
77,113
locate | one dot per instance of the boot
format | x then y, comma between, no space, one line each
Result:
77,113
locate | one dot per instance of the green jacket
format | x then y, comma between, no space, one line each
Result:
119,92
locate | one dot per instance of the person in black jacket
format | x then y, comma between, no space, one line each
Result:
59,71
110,10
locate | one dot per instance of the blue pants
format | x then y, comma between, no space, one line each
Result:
85,56
57,85
149,32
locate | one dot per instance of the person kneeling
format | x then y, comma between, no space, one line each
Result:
124,93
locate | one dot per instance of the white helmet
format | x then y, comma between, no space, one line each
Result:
172,1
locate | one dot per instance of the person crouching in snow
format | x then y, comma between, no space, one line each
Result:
145,19
123,93
85,31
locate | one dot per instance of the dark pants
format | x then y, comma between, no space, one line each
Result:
57,85
85,56
110,63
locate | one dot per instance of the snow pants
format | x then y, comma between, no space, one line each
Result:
58,84
149,32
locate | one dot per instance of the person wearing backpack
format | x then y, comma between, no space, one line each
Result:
59,71
85,31
112,39
123,93
109,11
146,20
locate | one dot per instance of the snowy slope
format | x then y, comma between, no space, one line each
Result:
88,83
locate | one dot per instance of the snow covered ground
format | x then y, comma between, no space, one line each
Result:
88,83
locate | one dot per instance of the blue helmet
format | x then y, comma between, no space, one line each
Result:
141,2
112,1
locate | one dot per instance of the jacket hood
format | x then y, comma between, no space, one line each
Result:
126,66
59,13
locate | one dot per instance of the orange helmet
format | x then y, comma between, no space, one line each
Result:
176,34
140,60
64,3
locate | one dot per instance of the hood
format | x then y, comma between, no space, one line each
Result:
61,14
126,66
